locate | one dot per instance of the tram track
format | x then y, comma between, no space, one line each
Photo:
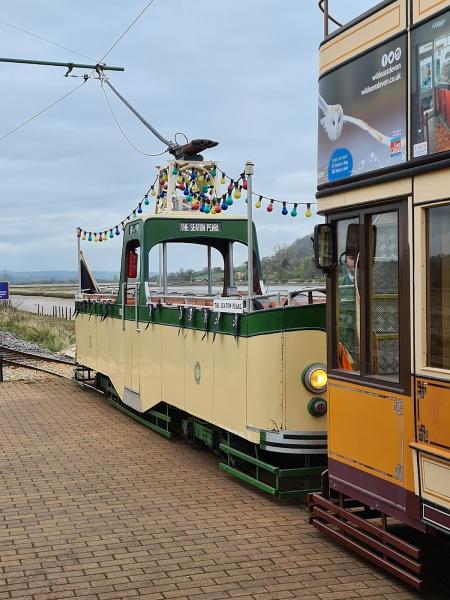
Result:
10,357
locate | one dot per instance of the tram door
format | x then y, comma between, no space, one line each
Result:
131,332
366,402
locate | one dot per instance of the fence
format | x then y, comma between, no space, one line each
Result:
57,311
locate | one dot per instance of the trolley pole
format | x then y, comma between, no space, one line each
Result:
249,175
79,263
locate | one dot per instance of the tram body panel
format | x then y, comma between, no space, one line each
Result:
264,382
421,9
199,375
301,349
173,365
86,337
230,383
384,24
371,430
150,366
116,355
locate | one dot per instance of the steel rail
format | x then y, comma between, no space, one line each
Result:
6,353
20,364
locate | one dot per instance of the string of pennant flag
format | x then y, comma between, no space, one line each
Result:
196,189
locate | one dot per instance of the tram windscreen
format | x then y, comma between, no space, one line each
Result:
363,114
430,93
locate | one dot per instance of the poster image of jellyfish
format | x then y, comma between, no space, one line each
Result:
363,114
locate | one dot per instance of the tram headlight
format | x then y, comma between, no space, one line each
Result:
315,378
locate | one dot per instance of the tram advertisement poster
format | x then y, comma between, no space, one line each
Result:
430,94
363,114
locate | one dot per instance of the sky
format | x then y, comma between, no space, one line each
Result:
242,72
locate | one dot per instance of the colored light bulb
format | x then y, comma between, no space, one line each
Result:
217,208
152,192
139,210
111,235
244,184
186,192
224,205
222,179
207,209
90,237
189,198
229,201
236,193
308,211
270,206
294,211
83,237
230,186
117,232
258,202
284,210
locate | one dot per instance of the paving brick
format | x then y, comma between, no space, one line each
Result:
97,507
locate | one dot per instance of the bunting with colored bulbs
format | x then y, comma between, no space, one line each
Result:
195,186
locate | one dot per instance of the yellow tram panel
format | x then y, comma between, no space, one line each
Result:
421,9
378,27
356,412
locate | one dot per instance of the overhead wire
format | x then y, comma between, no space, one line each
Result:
42,111
39,37
127,30
123,132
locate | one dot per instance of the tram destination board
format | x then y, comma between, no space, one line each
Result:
4,290
363,114
200,227
430,94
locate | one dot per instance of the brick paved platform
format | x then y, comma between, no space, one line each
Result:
93,505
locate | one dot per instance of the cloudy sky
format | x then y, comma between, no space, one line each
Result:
242,72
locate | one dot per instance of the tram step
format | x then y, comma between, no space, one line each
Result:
379,546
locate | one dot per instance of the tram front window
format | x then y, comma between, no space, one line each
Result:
384,357
438,305
348,330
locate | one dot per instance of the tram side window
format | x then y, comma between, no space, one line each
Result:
384,355
348,303
132,269
438,284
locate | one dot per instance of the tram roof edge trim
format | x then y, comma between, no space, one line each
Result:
368,13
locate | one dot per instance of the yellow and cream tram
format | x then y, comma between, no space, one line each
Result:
383,186
242,374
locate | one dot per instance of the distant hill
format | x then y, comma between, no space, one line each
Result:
293,262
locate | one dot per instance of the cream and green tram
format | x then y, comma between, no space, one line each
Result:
247,382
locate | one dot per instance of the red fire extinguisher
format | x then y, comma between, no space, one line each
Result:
132,264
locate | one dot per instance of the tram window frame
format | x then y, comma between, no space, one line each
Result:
428,302
363,375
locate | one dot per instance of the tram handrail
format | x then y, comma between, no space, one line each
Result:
324,7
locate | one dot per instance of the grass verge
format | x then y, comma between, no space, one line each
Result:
54,334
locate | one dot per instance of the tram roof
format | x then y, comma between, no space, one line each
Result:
195,215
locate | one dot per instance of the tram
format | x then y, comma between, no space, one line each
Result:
242,374
383,186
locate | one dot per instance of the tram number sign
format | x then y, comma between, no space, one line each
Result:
4,290
196,227
229,305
